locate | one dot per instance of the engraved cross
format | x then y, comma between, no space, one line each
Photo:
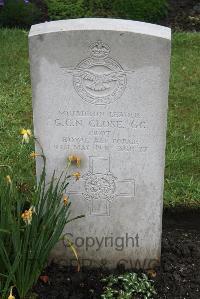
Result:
100,187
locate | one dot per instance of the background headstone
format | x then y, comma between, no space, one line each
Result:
100,90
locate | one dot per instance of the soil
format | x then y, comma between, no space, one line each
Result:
177,277
183,15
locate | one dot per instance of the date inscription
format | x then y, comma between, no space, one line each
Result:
101,131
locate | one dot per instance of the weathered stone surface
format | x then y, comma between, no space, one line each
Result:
100,90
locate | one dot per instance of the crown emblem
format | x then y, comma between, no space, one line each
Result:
99,49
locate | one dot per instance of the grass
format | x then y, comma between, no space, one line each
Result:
182,175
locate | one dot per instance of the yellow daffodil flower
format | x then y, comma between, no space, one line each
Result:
77,175
11,295
65,200
34,155
27,215
26,134
8,179
75,159
71,158
78,161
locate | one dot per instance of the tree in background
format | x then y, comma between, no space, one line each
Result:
19,13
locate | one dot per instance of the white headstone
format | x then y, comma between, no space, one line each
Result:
100,90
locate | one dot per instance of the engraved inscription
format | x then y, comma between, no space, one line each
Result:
99,79
107,131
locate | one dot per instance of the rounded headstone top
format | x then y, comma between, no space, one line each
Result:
85,24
